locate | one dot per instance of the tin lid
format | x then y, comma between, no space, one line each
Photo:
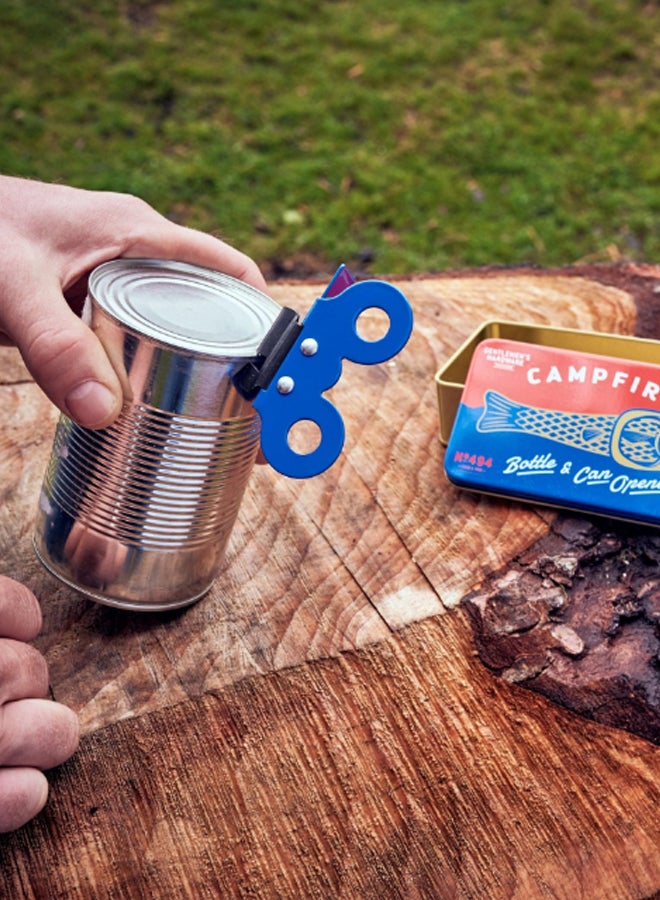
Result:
184,306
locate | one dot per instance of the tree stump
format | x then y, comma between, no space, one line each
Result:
327,721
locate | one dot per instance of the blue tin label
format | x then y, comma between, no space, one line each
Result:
553,426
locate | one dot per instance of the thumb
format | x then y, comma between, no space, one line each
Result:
68,362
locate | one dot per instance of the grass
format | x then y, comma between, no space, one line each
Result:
392,136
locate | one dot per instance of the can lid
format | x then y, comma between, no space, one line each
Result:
184,306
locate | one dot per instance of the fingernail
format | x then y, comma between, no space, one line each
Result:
90,403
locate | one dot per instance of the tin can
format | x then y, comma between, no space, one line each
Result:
138,515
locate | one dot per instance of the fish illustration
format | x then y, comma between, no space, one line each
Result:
632,438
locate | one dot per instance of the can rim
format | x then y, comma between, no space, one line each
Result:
183,306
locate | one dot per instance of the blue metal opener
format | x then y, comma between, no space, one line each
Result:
313,364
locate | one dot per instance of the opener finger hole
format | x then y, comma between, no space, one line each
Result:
372,324
304,437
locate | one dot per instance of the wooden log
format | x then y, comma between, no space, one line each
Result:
319,724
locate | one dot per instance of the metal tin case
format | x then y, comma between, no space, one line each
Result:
450,379
539,418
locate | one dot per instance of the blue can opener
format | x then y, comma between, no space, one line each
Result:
297,362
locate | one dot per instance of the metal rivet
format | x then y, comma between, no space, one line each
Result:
285,384
309,346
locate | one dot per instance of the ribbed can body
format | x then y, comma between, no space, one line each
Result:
138,515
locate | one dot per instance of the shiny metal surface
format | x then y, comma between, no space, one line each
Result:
138,515
182,306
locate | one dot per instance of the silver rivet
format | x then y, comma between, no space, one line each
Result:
309,346
285,384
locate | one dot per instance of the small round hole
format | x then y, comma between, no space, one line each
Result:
304,437
372,324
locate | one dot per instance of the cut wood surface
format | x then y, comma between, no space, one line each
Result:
320,724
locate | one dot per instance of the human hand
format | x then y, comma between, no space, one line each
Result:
51,237
35,734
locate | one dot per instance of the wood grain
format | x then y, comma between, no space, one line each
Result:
403,770
319,725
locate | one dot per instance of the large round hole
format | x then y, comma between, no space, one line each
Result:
304,437
372,324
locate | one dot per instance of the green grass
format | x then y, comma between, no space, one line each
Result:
392,136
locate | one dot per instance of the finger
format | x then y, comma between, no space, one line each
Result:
164,239
23,794
23,671
66,358
20,613
202,249
37,733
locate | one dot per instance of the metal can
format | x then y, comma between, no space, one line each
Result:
138,515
